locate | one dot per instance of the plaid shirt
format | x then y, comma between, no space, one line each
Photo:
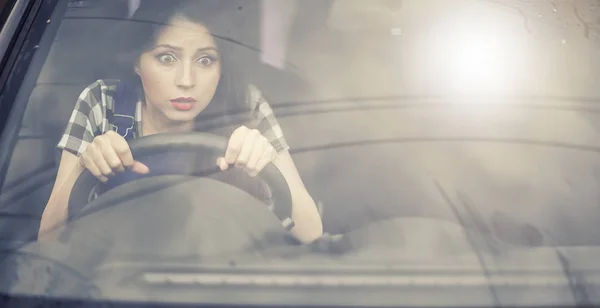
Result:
89,118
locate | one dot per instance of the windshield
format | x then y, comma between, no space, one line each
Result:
283,145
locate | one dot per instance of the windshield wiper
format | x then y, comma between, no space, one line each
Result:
577,283
470,240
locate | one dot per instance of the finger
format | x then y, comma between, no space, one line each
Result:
257,153
222,163
139,168
113,160
266,159
122,149
244,157
234,147
99,161
92,168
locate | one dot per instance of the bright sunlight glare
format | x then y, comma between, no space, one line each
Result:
479,64
475,55
475,63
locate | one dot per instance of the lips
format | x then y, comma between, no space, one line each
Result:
183,103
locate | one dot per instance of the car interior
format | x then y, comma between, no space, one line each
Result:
337,127
400,156
77,59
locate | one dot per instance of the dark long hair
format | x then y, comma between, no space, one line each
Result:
229,104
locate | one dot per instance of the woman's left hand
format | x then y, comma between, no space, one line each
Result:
247,149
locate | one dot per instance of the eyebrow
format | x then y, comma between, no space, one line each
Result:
179,48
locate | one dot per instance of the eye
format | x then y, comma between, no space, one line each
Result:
166,58
206,61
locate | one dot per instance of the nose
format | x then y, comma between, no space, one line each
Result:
186,76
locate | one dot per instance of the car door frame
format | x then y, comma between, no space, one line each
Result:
25,42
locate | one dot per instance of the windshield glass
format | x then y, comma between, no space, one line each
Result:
276,143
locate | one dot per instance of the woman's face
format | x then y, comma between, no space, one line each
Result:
180,73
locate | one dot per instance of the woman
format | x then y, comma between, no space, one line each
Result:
181,72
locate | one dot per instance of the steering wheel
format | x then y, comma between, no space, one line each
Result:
209,145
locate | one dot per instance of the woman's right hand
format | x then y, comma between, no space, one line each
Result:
109,154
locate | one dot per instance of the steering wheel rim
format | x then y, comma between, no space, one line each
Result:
194,142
